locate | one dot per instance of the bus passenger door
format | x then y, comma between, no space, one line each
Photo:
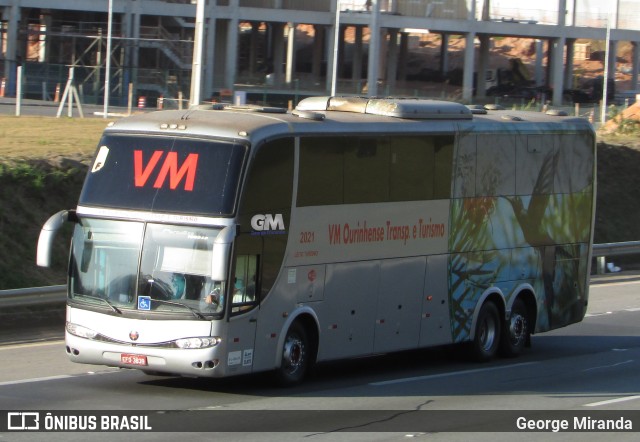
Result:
436,318
243,314
264,214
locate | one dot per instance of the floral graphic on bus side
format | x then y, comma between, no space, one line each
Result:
507,240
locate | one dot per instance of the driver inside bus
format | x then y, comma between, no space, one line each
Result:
178,284
238,290
215,297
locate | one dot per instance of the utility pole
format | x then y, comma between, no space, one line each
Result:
334,73
107,74
198,49
605,79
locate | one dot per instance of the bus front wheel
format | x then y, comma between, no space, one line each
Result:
487,334
295,356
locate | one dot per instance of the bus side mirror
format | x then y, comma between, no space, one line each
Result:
48,234
220,254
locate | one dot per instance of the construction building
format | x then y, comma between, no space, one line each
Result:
296,46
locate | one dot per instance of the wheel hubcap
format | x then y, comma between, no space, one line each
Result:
517,329
293,355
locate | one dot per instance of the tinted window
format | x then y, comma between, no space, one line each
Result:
355,170
267,192
366,171
186,176
321,176
269,183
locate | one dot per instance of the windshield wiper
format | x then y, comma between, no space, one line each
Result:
106,301
195,312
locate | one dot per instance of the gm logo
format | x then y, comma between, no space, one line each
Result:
268,223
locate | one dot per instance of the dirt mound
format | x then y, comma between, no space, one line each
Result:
626,121
30,192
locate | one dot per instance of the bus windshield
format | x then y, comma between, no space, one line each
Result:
189,176
157,268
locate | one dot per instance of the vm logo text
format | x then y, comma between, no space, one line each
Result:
170,168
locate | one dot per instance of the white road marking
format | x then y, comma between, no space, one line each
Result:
591,315
612,401
631,310
611,284
26,381
444,375
609,366
53,378
30,344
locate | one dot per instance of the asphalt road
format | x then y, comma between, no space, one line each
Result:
589,367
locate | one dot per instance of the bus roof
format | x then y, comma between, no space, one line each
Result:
340,115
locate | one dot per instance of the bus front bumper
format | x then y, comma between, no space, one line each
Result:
185,362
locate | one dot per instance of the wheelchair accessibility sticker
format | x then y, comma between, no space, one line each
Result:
144,303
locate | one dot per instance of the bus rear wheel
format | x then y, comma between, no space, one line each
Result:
516,331
295,356
487,334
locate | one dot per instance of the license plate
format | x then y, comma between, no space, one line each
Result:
133,359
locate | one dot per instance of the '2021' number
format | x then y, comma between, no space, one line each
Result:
307,237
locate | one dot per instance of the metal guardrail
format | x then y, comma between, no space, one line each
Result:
55,294
601,251
58,293
616,248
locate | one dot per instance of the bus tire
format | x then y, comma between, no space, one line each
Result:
487,334
296,356
515,333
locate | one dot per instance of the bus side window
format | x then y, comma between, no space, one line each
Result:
244,283
268,192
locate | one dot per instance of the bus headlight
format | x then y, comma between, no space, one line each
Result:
80,331
198,342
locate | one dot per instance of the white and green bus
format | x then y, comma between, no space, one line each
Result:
233,240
